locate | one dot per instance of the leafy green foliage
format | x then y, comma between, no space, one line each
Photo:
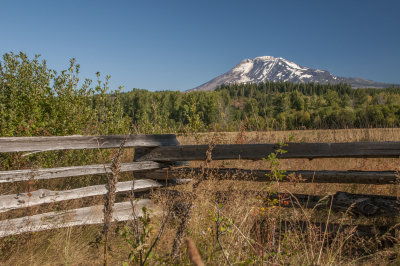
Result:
137,238
276,173
38,101
172,111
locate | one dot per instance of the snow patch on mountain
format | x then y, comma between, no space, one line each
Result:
245,66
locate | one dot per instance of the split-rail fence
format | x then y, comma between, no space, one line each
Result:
158,156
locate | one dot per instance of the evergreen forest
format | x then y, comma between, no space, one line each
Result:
264,106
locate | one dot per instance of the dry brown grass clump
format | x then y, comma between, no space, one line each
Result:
230,219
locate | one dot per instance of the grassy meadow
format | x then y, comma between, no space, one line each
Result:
228,220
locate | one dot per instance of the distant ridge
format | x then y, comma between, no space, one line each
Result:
269,68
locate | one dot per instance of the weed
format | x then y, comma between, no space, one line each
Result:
110,197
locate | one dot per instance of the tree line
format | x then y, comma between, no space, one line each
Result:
264,106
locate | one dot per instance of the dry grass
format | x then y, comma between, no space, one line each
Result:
339,135
252,231
334,135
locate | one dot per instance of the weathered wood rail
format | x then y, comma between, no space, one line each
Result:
259,151
155,158
306,176
18,144
42,196
50,173
123,211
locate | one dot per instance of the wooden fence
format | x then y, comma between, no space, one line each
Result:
154,154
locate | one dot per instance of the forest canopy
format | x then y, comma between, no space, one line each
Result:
265,106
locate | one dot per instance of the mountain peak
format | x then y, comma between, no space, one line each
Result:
265,58
269,68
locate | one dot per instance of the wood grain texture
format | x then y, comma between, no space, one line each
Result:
49,173
83,216
358,204
355,177
260,151
42,196
332,229
38,144
367,205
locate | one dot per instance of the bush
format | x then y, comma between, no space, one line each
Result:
37,101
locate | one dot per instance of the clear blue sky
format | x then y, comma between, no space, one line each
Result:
178,45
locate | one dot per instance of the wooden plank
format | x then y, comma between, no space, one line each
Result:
42,196
332,229
140,152
357,204
83,216
49,173
367,205
39,144
260,151
307,176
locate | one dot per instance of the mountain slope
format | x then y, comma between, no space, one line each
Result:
268,68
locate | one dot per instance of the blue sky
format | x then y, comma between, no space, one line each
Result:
178,45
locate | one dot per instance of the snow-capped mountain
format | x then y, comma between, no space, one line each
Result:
268,68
